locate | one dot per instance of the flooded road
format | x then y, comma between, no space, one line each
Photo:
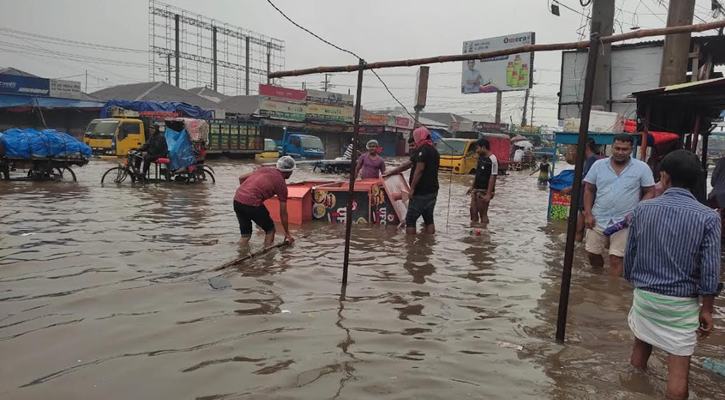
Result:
104,295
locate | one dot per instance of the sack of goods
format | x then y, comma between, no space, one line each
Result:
48,143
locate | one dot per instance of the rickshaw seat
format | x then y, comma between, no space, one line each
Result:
162,161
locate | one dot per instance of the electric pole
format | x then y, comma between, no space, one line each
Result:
499,98
526,101
326,83
675,55
603,14
532,109
86,89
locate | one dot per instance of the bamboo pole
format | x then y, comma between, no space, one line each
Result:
522,49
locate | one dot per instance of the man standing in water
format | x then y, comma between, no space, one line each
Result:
424,161
254,189
618,183
672,258
484,184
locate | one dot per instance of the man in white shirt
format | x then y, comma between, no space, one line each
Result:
472,79
518,158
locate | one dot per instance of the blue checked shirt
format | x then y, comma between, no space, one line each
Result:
673,247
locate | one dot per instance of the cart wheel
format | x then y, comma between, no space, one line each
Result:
72,174
118,174
209,168
209,174
59,172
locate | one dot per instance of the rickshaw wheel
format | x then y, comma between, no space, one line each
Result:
119,174
72,174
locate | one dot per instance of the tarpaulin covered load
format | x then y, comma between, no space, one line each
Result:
563,180
48,143
180,152
186,110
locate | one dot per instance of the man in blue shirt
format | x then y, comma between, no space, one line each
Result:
617,183
672,257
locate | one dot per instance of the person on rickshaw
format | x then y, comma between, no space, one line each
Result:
154,148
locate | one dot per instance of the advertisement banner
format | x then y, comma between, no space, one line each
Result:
24,85
400,122
375,119
281,110
281,92
326,112
490,127
65,89
504,73
318,96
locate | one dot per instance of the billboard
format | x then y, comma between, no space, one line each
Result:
281,110
282,92
326,112
318,96
65,89
24,85
504,73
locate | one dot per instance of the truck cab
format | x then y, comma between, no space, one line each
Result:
115,136
458,155
298,145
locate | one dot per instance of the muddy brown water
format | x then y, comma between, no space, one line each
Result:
104,295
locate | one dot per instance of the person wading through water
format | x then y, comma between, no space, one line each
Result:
254,189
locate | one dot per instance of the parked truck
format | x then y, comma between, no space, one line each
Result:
300,145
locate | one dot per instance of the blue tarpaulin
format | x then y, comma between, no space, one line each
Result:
13,101
180,152
563,180
187,110
29,143
436,135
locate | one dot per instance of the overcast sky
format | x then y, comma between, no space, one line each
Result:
377,30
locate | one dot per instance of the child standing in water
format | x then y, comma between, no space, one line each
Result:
371,164
544,171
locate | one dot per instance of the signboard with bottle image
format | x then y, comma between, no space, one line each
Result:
498,74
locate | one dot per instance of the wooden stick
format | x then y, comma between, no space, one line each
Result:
242,259
490,54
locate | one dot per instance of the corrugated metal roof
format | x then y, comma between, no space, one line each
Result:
209,94
242,105
17,72
154,91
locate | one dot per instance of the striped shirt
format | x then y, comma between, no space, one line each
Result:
673,246
262,185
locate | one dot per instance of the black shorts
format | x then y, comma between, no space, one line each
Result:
421,205
260,215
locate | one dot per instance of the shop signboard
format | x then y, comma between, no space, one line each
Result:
498,74
375,119
65,89
326,112
24,85
281,110
282,92
490,127
400,122
370,130
319,96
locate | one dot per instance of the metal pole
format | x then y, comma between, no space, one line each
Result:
353,162
526,102
499,99
246,67
214,50
168,68
86,89
269,62
532,110
176,51
576,189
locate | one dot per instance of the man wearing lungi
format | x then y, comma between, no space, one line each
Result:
673,260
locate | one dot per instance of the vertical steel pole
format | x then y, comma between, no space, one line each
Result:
499,99
269,61
246,67
214,50
168,68
353,163
176,51
576,189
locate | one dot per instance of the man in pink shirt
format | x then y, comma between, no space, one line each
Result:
254,189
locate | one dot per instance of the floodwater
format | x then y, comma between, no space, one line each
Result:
104,294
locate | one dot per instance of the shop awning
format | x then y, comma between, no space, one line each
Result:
23,103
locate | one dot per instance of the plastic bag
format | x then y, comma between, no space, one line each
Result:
180,152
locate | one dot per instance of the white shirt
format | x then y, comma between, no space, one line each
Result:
472,80
519,155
